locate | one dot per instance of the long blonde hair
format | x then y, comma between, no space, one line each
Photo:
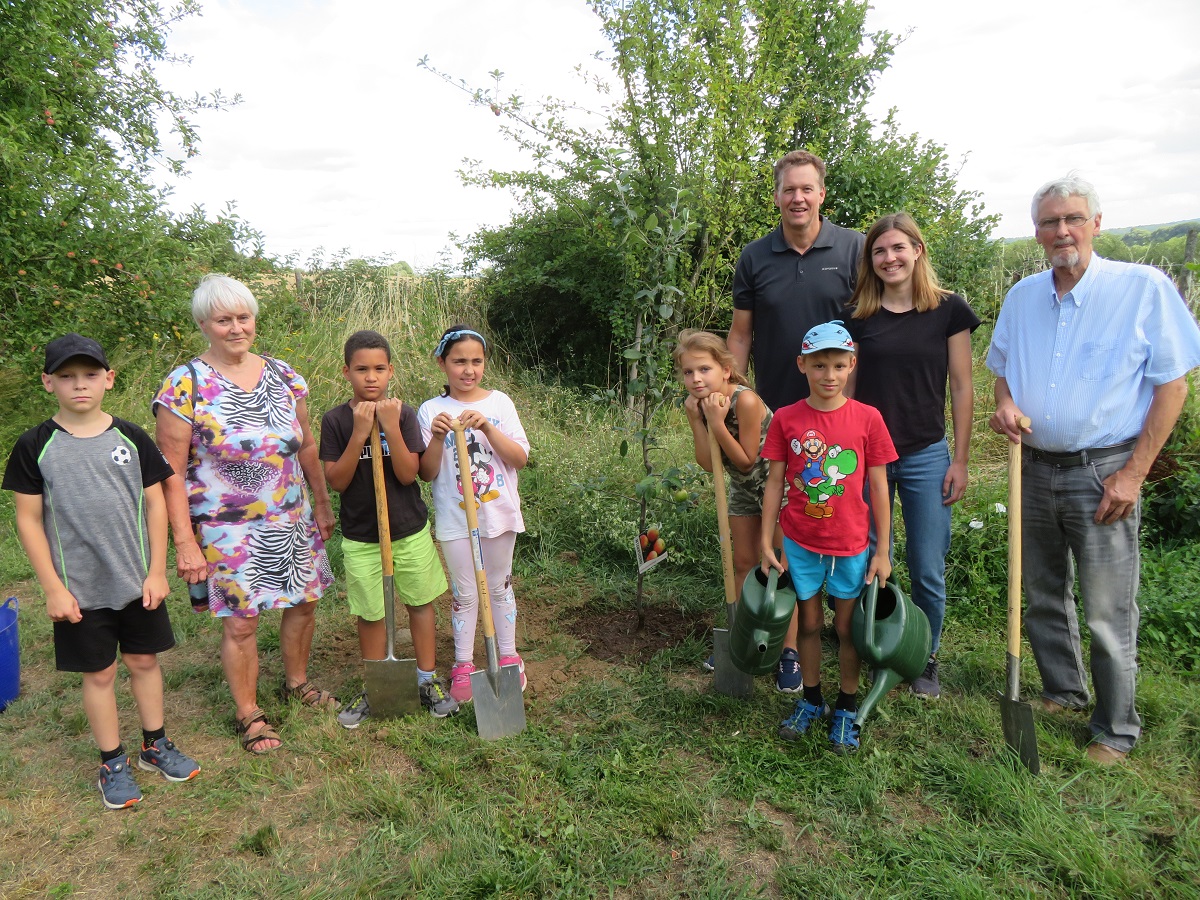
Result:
693,340
868,293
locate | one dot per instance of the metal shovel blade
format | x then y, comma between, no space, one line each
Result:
728,679
496,694
391,686
391,683
1017,719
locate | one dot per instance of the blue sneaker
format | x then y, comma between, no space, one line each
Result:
710,664
117,786
163,757
787,675
843,731
799,721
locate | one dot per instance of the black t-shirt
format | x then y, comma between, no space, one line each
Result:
903,364
788,294
407,513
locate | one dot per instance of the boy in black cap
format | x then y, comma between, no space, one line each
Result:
92,519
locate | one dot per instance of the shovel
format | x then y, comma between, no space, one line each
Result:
1016,716
391,683
496,691
728,679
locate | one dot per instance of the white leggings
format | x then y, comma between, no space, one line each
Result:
464,612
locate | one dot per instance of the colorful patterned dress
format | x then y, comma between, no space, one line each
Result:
246,490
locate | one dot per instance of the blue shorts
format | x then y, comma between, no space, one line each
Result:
842,576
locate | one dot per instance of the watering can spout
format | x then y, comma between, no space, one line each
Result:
891,635
885,680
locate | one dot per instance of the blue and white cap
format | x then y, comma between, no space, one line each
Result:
827,336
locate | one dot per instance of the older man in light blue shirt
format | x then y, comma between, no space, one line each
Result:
1096,353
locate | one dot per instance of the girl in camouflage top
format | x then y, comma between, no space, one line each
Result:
719,398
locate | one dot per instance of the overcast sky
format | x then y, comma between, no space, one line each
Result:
341,141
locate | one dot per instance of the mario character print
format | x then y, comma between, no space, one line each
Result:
824,468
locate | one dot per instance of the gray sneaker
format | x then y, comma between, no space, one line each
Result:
356,713
163,757
927,685
116,784
435,698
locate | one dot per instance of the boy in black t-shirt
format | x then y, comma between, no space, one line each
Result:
418,575
92,519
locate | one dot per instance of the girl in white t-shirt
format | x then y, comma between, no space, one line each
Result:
498,449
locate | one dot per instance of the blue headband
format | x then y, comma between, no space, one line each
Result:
451,336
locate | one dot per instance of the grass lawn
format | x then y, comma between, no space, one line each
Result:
632,779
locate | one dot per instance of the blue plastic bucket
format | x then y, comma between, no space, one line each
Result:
10,653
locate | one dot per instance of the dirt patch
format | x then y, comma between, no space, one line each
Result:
613,636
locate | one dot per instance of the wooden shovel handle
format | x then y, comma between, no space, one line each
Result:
1014,542
381,507
714,453
468,492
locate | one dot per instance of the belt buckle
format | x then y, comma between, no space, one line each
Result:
1083,458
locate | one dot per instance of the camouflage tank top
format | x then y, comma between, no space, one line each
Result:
751,482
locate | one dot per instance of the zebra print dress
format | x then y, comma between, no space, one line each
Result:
246,490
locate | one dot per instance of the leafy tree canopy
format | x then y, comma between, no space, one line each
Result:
84,240
709,94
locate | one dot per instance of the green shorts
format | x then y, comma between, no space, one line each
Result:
417,574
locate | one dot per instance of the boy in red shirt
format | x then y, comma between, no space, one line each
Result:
825,446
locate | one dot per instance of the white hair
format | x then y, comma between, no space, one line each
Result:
220,292
1069,185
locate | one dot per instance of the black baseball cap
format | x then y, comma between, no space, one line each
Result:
61,349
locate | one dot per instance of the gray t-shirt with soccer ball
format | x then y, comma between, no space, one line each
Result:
93,505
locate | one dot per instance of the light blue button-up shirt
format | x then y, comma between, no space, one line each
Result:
1083,367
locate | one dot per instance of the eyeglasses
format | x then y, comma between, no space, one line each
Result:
1052,224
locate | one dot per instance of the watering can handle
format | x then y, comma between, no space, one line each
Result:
869,609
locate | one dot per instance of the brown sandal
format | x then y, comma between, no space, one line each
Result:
251,742
310,695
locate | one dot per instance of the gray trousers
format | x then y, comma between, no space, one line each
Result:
1060,536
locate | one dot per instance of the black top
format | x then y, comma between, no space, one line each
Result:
903,365
788,293
407,513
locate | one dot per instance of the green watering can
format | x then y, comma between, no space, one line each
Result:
757,633
891,635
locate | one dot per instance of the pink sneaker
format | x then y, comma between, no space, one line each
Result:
519,663
460,681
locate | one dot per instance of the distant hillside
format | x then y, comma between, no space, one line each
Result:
1180,227
1139,235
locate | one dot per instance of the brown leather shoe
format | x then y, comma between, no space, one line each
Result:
1104,755
1049,706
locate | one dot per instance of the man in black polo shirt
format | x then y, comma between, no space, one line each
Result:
796,277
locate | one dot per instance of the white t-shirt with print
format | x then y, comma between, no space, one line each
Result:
495,482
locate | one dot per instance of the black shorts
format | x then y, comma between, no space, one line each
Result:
90,645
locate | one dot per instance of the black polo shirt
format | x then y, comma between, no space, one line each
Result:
788,293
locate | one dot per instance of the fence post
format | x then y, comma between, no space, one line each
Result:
1185,274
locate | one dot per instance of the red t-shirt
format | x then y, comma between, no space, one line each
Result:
827,455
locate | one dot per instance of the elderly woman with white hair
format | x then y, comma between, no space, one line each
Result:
246,537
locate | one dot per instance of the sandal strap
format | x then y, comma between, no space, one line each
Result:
256,715
250,743
308,694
